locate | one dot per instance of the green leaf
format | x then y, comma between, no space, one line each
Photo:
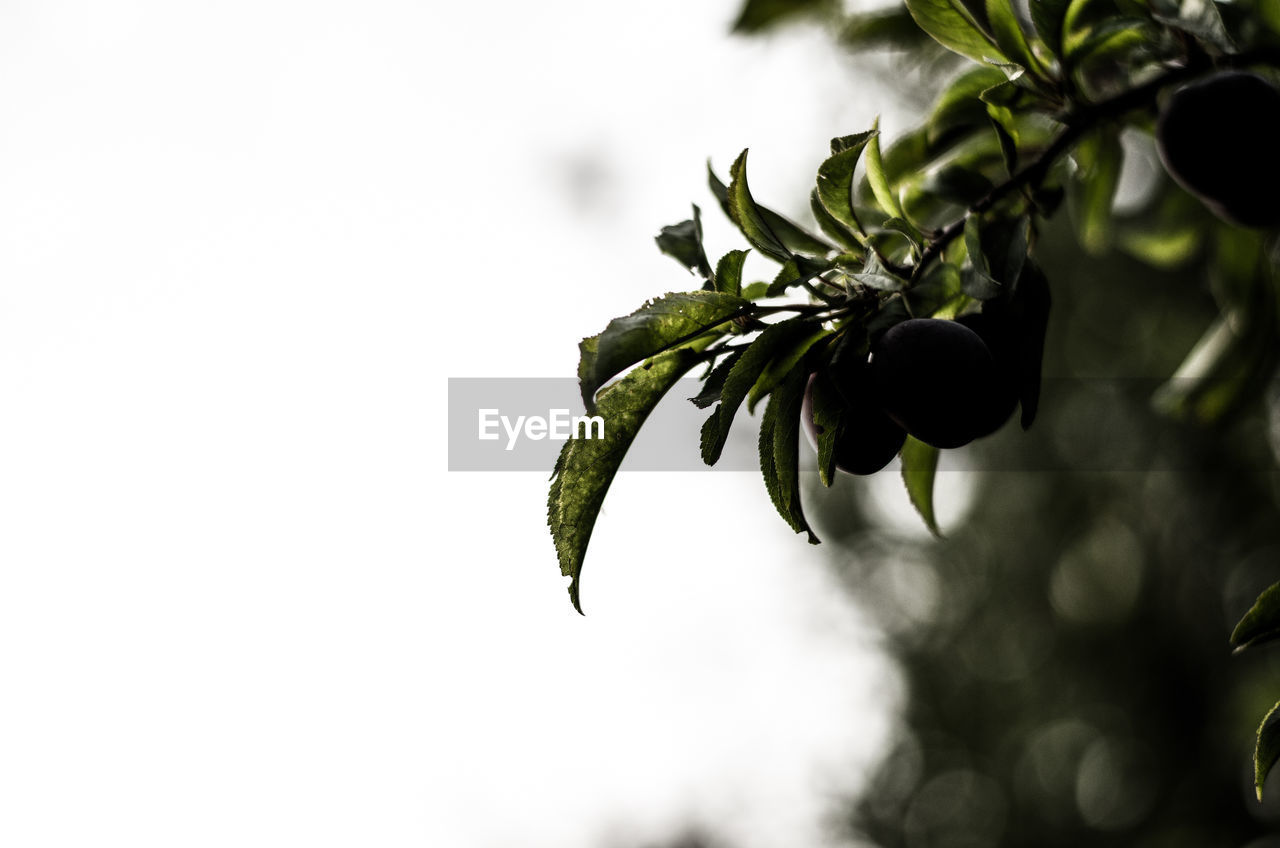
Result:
713,384
1008,34
785,236
1267,750
1200,18
953,26
745,213
883,29
1099,157
919,466
874,275
835,179
653,328
756,291
759,15
780,450
878,179
828,418
788,275
839,232
586,467
683,242
728,277
774,340
1261,623
1047,17
960,105
782,365
1111,41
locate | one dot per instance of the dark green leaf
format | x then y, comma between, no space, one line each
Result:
884,29
714,382
874,275
586,467
783,364
1261,623
729,272
662,323
953,26
828,413
919,466
759,15
1200,18
960,105
1029,309
755,291
780,450
1267,750
1047,17
683,242
775,340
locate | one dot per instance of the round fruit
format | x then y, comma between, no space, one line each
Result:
868,439
938,380
1218,137
1004,398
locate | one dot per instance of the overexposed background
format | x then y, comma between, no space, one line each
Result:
242,602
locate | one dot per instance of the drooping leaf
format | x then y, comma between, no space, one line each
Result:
714,382
919,467
828,418
1267,750
683,242
835,179
661,323
773,341
953,26
780,450
783,364
1261,623
788,275
728,277
586,467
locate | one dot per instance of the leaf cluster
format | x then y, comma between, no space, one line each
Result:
941,222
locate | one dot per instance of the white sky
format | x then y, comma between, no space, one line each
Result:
242,247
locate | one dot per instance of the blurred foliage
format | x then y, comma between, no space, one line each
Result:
1064,650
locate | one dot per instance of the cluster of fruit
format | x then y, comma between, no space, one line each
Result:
948,382
944,382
